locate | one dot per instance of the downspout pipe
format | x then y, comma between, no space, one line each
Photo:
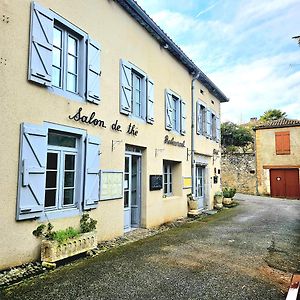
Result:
193,132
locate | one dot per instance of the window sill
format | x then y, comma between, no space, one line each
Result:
171,197
137,119
58,214
65,94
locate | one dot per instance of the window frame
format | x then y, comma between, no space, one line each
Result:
213,126
67,29
168,184
135,71
73,209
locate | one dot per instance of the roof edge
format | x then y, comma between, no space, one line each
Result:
165,41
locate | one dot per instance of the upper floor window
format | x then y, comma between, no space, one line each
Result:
175,113
63,57
208,123
138,99
136,92
282,143
213,126
65,60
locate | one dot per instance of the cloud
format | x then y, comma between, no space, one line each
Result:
258,86
244,46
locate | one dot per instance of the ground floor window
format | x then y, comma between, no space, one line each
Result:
58,171
61,171
168,185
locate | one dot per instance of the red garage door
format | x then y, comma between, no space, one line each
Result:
285,183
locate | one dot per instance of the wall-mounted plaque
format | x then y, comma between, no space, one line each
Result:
187,182
111,185
156,182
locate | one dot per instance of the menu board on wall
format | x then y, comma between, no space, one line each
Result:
111,185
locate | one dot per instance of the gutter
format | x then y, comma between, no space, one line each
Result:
193,133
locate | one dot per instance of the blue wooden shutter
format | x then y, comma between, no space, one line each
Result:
93,72
208,123
92,167
125,87
41,44
198,118
168,112
182,117
150,101
32,172
218,129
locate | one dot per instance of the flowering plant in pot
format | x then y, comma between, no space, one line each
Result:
60,244
228,194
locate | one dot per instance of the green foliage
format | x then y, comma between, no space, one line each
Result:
218,194
65,234
38,232
229,192
87,224
233,135
272,114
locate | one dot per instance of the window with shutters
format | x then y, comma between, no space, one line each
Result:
59,171
208,123
175,113
282,143
136,93
63,57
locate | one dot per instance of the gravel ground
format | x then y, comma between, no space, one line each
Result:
248,252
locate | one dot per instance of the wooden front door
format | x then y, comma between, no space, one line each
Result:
285,183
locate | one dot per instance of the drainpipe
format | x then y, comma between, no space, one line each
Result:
193,133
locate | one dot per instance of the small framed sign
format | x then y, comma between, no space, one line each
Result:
156,182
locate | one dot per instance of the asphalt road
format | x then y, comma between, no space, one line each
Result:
247,252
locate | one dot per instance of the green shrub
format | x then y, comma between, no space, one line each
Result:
228,192
87,224
65,234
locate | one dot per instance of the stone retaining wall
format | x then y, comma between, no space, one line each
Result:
239,171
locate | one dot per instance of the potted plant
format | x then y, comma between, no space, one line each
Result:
218,199
57,245
192,202
228,194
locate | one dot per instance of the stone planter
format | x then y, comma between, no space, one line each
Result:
218,201
52,251
193,204
227,201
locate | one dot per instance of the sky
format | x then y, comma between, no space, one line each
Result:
244,46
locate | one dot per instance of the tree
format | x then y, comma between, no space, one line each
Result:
233,135
272,114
